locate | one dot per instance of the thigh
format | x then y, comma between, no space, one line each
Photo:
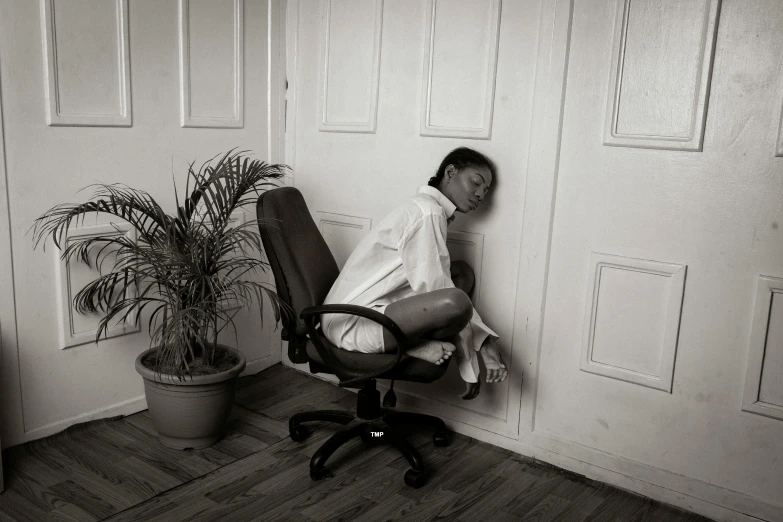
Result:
439,314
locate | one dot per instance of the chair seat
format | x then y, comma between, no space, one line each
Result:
355,364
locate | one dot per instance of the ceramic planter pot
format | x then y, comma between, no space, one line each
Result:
190,413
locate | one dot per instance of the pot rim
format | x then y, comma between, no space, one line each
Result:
195,380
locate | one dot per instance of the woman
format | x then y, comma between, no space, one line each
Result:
402,269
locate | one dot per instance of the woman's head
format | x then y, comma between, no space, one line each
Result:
464,176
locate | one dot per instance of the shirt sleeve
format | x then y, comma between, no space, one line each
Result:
425,257
426,261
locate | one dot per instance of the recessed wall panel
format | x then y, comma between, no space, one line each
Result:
771,387
460,60
350,64
87,62
342,233
779,150
211,63
662,63
763,393
468,247
632,319
76,328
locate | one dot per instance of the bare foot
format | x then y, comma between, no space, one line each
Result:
436,352
496,368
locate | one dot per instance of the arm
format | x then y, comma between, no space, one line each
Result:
425,258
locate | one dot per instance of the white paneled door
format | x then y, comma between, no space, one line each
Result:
114,91
379,92
662,333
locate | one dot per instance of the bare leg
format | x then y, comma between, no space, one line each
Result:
430,320
464,279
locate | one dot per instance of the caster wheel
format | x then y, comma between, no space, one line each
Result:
298,433
441,439
415,478
319,473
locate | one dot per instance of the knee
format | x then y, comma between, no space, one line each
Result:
459,302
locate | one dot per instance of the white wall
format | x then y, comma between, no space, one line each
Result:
674,180
108,106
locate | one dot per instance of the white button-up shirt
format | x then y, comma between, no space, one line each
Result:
406,255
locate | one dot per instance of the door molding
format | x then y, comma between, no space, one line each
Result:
12,424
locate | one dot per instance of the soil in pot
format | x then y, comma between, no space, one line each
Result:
224,360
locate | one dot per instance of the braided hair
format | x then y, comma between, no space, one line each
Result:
461,157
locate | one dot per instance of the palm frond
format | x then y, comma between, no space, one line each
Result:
192,269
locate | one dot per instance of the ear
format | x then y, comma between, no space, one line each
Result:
450,171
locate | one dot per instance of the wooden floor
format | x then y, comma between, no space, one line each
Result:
116,470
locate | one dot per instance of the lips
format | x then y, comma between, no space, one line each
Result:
475,204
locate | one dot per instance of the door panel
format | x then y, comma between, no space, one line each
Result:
631,216
424,110
119,113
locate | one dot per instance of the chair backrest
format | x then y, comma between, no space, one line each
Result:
302,264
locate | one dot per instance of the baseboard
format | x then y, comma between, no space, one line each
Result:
258,365
305,368
127,407
681,485
683,492
693,495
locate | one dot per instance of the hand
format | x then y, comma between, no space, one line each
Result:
471,390
493,362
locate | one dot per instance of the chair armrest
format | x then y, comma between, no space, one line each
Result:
310,314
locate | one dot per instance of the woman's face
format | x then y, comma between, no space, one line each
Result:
466,187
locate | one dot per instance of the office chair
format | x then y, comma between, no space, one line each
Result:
304,271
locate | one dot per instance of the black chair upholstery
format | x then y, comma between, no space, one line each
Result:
304,271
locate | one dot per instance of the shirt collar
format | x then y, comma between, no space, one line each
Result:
442,200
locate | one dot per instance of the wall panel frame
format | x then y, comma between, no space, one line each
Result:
54,115
427,127
663,378
369,123
69,335
236,118
779,148
767,288
694,140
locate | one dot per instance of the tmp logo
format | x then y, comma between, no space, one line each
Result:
376,433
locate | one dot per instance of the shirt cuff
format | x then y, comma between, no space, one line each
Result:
480,331
470,340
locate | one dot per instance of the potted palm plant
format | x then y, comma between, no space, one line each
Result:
190,273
